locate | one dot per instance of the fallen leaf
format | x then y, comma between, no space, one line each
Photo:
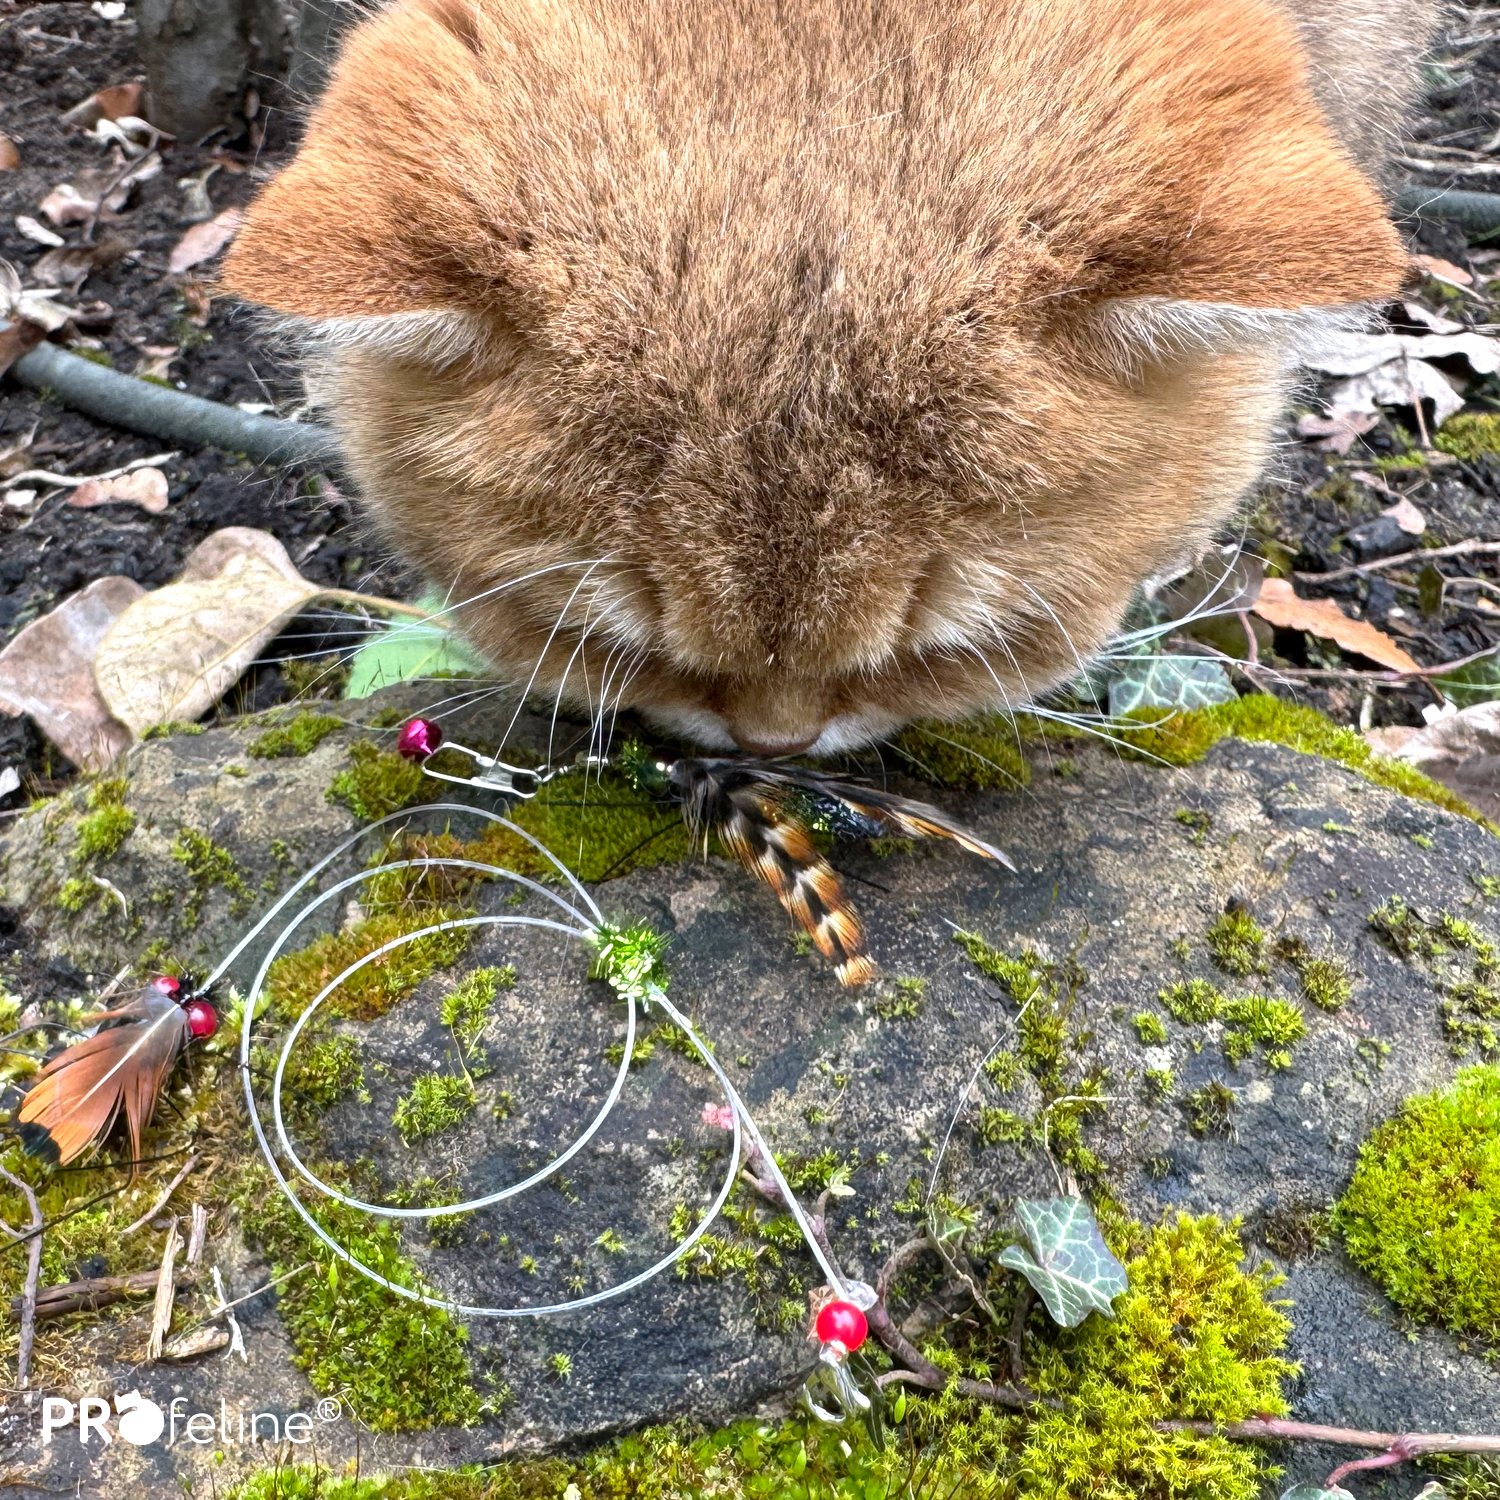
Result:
157,364
1068,1264
197,301
37,232
107,104
47,672
203,241
10,781
30,305
18,336
10,156
1392,369
1148,681
1337,433
66,205
1444,270
144,487
97,191
175,652
1407,517
197,206
1461,750
1278,605
1434,322
410,650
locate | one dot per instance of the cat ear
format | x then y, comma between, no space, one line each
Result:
389,221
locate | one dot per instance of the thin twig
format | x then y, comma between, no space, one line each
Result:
166,1291
161,1202
1455,549
33,1231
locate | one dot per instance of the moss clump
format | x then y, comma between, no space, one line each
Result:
325,1071
1422,1212
1183,738
107,824
208,865
466,1010
1002,1127
1236,943
982,753
435,1102
74,894
1325,981
1275,1025
377,782
296,979
399,1364
905,1004
1471,1005
1470,434
301,736
1149,1027
1209,1109
168,728
1192,1001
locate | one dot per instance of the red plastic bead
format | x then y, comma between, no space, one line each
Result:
165,984
201,1019
419,737
842,1321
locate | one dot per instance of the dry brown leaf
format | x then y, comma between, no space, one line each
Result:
47,671
145,487
203,241
10,156
18,336
108,104
1338,432
1462,751
174,653
1443,270
157,360
1278,605
197,301
1407,517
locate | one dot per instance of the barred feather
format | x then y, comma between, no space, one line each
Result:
745,803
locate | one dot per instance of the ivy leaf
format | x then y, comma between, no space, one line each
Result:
1479,682
1168,682
1070,1266
411,649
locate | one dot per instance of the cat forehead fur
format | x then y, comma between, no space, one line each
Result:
826,364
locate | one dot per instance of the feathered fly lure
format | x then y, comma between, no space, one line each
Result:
763,811
124,1064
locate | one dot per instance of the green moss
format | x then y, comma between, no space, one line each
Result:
1149,1027
398,1364
435,1102
466,1009
319,677
296,979
1275,1025
74,894
907,1002
1422,1212
376,782
166,730
981,753
208,865
1209,1109
300,736
1002,1127
1236,943
1192,1001
1469,435
1180,739
107,824
321,1073
1160,1082
1196,821
95,356
1325,981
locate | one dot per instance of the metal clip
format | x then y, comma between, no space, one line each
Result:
833,1374
520,782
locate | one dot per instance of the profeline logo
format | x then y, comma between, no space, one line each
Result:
139,1420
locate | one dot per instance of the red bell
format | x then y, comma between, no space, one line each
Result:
166,984
842,1321
201,1020
419,738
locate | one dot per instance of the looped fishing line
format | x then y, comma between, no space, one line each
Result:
589,927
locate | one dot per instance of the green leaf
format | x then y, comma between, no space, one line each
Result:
1317,1492
1070,1266
1168,682
408,649
1479,682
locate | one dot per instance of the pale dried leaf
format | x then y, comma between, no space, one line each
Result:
1462,751
1443,270
47,672
66,205
203,241
158,360
108,104
1278,605
1338,432
1399,382
1407,517
146,488
176,652
37,232
1434,322
10,156
1358,353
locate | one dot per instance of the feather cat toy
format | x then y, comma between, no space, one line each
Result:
763,812
125,1064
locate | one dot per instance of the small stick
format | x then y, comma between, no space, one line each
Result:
197,1234
1456,549
46,476
166,1291
236,1337
91,1294
33,1271
161,1202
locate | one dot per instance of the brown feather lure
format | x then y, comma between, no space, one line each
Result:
763,811
123,1065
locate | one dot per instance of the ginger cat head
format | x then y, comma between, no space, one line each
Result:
788,372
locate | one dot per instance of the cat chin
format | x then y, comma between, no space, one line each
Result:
710,731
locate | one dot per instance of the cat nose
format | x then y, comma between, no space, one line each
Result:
770,748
